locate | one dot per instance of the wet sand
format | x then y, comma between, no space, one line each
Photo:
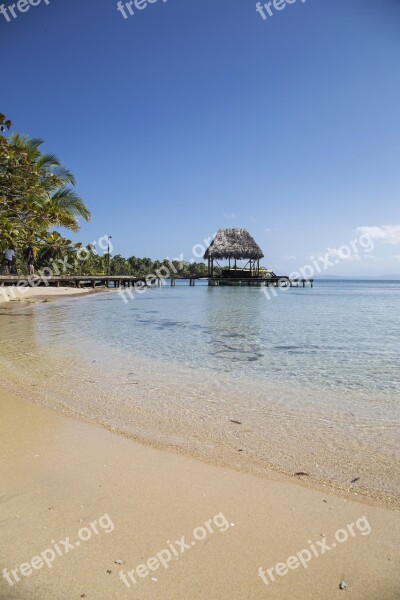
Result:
60,475
52,355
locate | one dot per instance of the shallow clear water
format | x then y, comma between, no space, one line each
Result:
343,336
311,375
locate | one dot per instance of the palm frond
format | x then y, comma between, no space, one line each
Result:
47,161
68,200
64,174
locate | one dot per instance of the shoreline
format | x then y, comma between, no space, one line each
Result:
264,472
158,439
60,474
33,295
129,403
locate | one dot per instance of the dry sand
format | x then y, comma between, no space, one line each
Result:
59,475
38,294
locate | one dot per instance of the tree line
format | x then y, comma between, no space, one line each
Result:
37,196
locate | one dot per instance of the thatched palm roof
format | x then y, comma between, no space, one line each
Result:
234,243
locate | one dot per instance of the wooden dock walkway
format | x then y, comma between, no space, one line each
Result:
276,281
117,281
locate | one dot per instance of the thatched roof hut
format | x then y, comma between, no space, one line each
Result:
234,243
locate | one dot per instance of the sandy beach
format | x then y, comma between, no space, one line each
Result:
127,507
199,300
38,294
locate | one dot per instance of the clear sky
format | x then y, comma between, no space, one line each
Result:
192,115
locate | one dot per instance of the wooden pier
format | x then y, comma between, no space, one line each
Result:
118,281
275,281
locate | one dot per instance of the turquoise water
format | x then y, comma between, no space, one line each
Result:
338,335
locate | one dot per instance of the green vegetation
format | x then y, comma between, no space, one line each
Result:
88,262
36,195
145,266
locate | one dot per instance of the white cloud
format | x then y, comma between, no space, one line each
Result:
342,253
397,257
387,234
288,257
229,215
372,258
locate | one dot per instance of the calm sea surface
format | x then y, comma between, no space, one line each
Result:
311,372
343,336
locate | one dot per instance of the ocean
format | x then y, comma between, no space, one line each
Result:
307,381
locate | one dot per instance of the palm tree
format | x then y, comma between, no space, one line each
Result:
58,203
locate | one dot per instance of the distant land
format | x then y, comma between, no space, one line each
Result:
360,277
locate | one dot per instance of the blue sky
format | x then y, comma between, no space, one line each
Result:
193,115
